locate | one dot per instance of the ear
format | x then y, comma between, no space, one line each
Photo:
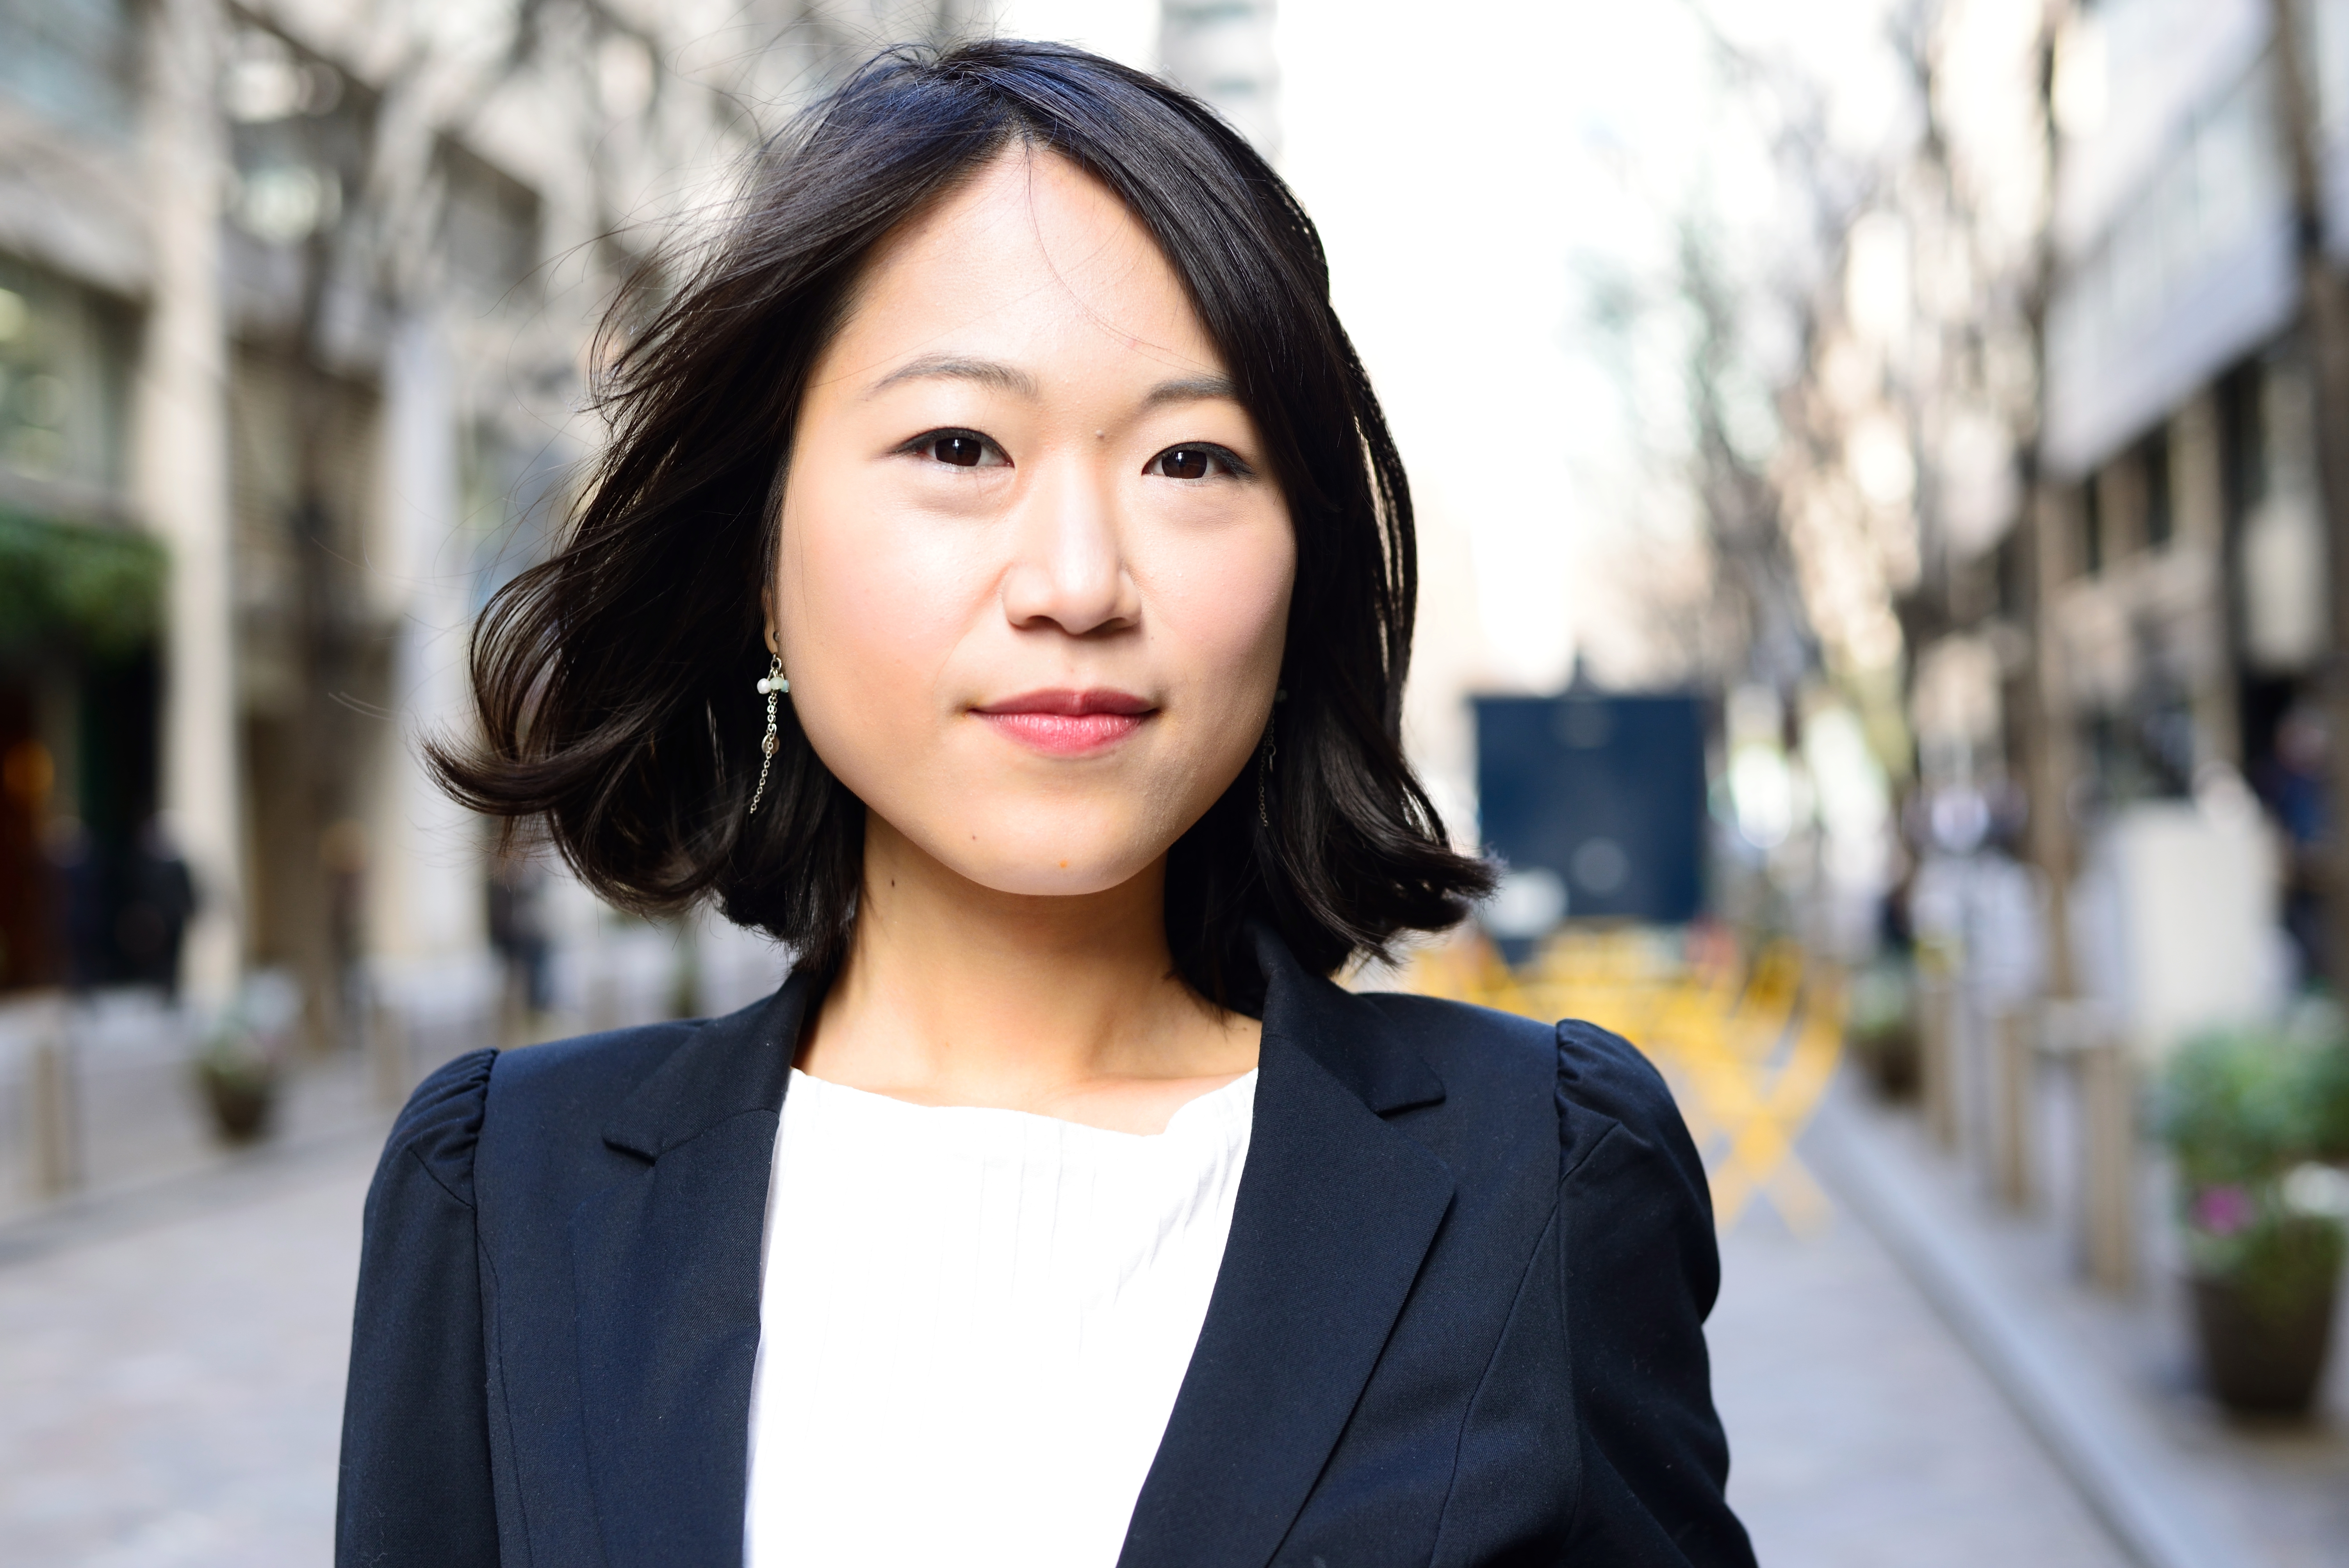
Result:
766,612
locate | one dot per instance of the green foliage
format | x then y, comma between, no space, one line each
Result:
1882,1002
2328,1097
237,1070
2243,1106
2243,1111
2278,1261
96,591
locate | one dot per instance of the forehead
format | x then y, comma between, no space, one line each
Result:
1031,256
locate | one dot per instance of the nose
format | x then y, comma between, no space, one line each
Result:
1068,566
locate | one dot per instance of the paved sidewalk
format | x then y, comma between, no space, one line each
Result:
2110,1383
1861,1435
173,1372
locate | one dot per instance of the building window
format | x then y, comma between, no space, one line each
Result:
69,60
2244,449
2153,463
63,384
2092,525
297,134
1222,50
489,226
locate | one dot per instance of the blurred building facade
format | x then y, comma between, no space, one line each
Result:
2129,656
2178,549
2181,550
298,305
2121,657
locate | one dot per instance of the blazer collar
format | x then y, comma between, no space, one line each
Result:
1348,1038
1336,1210
665,1266
728,1066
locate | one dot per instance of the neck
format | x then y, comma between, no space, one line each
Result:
955,993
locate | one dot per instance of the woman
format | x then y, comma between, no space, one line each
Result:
998,588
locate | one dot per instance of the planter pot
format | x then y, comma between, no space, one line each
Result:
241,1103
2264,1358
1890,1058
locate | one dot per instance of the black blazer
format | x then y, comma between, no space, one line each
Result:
1460,1317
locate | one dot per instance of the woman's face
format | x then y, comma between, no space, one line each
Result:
1034,572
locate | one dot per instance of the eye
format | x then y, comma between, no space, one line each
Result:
959,448
1195,463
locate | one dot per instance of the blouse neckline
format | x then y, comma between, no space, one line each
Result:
1209,1108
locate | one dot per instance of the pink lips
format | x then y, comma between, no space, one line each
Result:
1067,723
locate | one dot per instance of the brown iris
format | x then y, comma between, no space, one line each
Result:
1184,463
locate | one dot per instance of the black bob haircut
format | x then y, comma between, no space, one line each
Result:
613,681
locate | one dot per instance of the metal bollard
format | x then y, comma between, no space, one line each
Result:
2108,1179
1937,1054
387,1053
2012,1059
2104,1084
51,1108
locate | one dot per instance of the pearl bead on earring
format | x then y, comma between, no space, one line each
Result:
772,685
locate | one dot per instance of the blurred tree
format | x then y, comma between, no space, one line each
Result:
1759,605
1792,445
1856,305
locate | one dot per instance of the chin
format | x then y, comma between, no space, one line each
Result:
1059,851
1030,880
1051,865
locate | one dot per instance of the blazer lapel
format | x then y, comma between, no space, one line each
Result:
1336,1210
666,1266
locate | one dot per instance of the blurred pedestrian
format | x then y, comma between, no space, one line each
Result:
160,899
1059,1210
518,926
79,861
2293,786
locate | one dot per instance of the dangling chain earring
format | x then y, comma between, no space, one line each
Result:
771,686
1264,761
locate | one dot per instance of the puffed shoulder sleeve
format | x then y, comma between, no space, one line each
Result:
416,1479
1639,1270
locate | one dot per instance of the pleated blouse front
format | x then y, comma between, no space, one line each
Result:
974,1324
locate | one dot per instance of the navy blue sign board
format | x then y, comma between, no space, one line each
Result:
1607,793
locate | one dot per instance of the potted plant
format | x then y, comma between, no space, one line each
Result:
1881,1026
239,1065
240,1086
2252,1115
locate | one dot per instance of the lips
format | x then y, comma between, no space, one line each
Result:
1067,723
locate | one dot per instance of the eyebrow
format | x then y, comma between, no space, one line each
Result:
1193,389
950,367
1010,378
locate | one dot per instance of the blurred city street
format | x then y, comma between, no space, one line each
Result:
1879,489
175,1379
173,1355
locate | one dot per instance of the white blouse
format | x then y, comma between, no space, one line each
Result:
973,1326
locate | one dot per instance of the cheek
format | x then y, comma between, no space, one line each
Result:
870,612
1222,619
1223,610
